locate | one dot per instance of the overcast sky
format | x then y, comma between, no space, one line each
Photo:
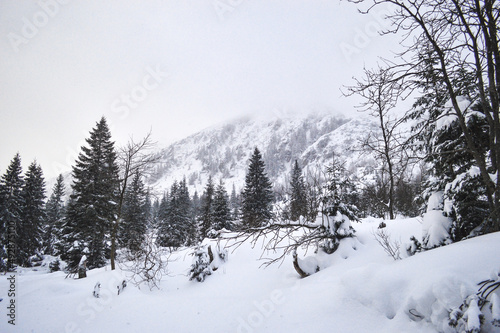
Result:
173,66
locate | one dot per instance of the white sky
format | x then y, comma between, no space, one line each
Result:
64,66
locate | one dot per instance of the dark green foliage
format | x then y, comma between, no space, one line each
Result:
221,211
54,266
55,211
196,205
257,196
201,265
338,205
470,206
452,164
372,200
298,195
340,195
92,207
441,138
206,260
11,203
176,225
407,195
32,215
234,203
207,209
134,216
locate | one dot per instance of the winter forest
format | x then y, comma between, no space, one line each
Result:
387,220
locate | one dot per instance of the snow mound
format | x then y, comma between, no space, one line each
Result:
359,288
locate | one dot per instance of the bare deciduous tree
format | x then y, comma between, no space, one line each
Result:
135,157
391,247
380,93
148,264
462,37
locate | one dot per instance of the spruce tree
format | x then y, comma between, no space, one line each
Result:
196,206
221,210
92,207
453,167
206,217
234,204
298,197
257,197
177,227
133,227
11,203
148,209
339,205
162,220
186,216
55,211
32,215
340,194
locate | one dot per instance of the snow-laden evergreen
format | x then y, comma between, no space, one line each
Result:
134,216
11,203
92,205
32,215
176,224
55,210
257,196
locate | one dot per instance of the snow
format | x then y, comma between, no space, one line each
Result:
83,259
495,307
358,289
473,313
447,119
435,226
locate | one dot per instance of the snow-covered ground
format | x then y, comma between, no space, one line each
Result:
362,290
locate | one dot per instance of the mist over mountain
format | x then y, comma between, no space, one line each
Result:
223,151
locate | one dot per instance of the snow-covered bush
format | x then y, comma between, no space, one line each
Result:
391,247
468,317
201,265
436,226
478,309
466,203
147,265
55,266
414,246
205,262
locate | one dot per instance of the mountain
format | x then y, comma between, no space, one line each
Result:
223,151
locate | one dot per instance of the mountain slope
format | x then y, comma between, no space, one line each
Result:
223,151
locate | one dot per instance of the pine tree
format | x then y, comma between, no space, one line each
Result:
148,209
207,210
338,204
298,197
177,227
196,207
186,215
11,203
92,205
133,227
32,215
55,211
257,195
234,204
221,211
453,167
340,196
155,212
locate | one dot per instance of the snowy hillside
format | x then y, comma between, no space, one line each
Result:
223,151
363,290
